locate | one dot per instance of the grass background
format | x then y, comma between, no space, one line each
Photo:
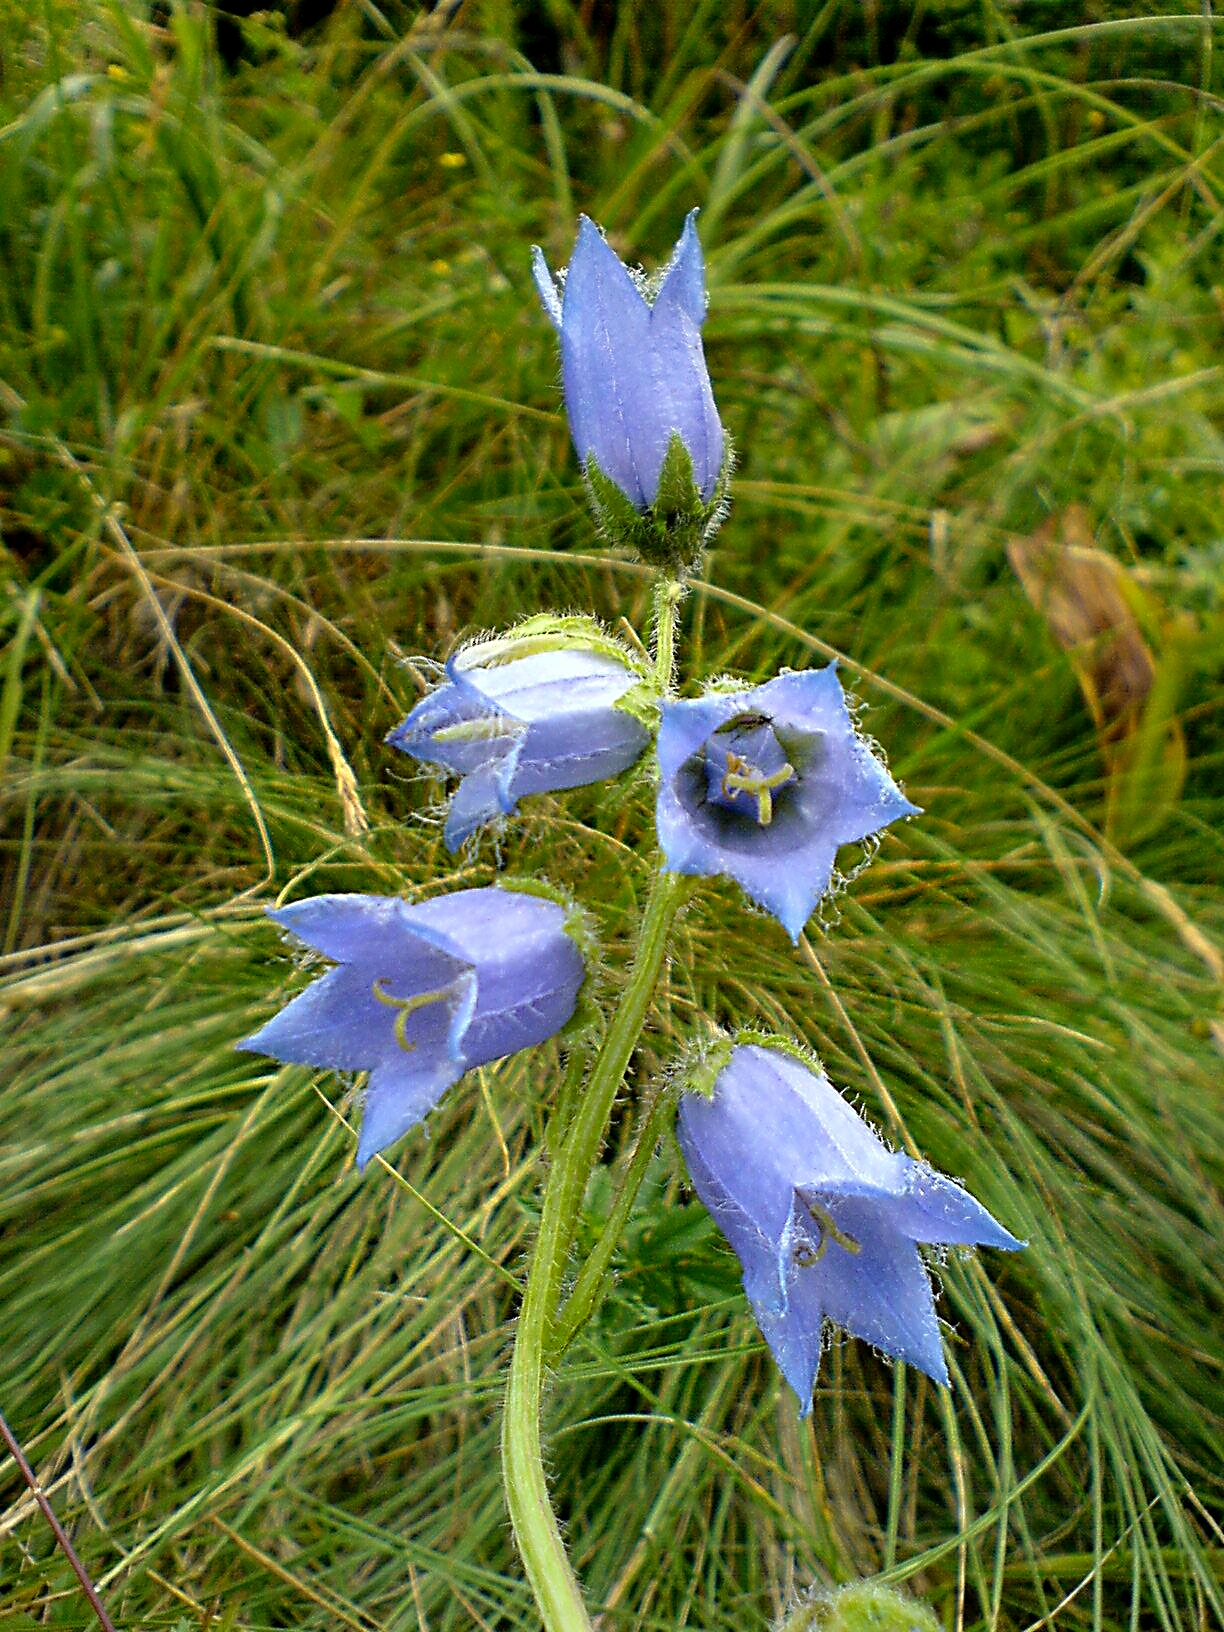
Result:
280,411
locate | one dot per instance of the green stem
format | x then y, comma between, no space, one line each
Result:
563,1107
668,593
592,1279
535,1525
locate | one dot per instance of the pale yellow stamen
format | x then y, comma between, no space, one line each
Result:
741,777
805,1254
484,728
407,1006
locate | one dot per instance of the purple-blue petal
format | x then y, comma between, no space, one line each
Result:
757,1250
410,1076
936,1209
680,366
541,1000
765,1263
485,924
610,393
347,928
573,750
808,699
454,728
815,1136
880,1293
401,1092
684,726
783,878
330,1024
795,1336
491,971
682,292
546,685
482,797
546,286
635,374
533,724
530,970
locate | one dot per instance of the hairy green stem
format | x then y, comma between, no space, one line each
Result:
562,1112
592,1279
668,593
535,1525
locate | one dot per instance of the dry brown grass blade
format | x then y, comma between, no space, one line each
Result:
1089,600
1081,592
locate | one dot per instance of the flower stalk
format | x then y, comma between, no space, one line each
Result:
668,593
592,1279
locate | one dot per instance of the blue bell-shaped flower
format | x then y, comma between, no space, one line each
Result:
554,704
423,992
824,1218
764,785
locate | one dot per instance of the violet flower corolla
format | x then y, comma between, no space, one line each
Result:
524,714
764,785
423,992
823,1217
637,390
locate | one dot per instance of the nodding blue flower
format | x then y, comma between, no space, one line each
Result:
633,368
523,714
764,785
823,1217
423,992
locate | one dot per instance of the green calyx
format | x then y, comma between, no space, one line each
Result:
642,702
702,1065
674,531
553,632
863,1606
546,632
780,1045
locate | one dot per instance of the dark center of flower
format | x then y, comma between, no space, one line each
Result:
408,1006
806,1252
746,766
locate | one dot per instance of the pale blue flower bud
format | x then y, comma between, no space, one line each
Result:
638,396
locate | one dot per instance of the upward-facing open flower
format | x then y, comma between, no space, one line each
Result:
529,712
423,993
637,390
822,1215
764,785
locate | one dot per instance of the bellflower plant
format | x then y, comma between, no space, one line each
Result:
554,704
760,783
822,1215
638,395
423,992
764,785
